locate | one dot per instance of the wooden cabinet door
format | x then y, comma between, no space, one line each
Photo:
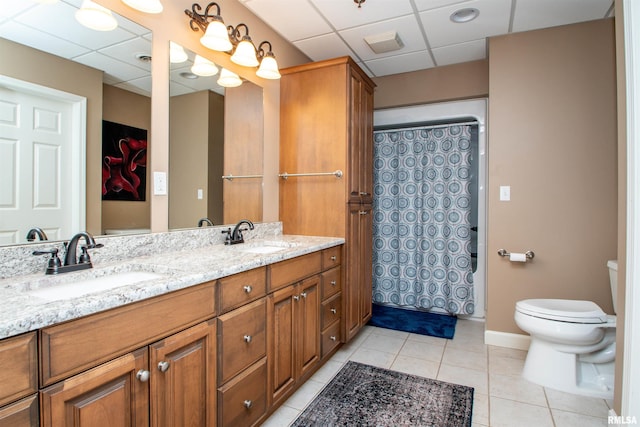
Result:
281,316
183,378
360,151
308,322
358,267
108,395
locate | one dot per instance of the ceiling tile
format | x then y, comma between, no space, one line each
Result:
33,38
346,14
285,16
406,27
128,52
461,52
434,4
117,69
323,47
400,63
140,86
441,31
534,14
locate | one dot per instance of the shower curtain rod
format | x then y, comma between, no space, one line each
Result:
423,125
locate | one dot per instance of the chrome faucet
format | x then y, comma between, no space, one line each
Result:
71,261
36,232
234,237
204,221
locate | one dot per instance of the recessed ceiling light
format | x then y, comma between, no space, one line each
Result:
464,15
143,57
188,75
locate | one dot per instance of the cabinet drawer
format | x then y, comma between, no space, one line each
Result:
19,367
331,310
292,270
243,401
331,338
75,346
331,282
331,257
241,339
23,413
239,289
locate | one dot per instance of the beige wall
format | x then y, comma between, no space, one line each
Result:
189,150
131,109
449,83
41,68
552,138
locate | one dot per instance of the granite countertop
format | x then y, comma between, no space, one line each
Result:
24,310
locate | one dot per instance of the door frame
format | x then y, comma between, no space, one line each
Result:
78,185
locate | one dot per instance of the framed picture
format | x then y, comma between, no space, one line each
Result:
124,162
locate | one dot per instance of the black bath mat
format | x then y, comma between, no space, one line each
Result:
363,395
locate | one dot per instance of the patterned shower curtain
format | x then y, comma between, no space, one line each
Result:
421,225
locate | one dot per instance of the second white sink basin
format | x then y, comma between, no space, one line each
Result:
92,285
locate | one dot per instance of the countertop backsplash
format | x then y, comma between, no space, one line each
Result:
19,260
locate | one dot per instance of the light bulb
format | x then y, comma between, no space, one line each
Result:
203,67
96,17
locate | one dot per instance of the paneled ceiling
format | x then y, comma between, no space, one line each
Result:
324,29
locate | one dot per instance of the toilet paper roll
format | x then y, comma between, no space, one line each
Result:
517,257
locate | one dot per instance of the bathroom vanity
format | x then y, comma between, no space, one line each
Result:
221,335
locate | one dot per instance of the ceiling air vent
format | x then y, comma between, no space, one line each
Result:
385,42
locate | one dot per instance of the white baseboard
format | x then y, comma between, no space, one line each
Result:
505,339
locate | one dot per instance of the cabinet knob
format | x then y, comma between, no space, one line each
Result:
364,193
303,294
332,338
363,212
296,297
248,404
333,258
334,311
247,338
247,288
333,283
143,375
163,366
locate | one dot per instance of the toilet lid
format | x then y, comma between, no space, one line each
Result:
563,310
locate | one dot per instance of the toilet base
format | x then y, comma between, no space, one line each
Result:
551,368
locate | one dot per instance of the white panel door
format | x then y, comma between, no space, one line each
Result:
35,166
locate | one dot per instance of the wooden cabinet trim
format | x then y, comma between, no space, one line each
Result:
19,367
293,270
75,346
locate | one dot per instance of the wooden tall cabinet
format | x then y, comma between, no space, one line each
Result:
326,125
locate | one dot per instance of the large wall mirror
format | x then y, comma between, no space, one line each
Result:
215,144
111,71
55,56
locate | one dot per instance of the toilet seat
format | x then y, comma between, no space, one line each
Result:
571,311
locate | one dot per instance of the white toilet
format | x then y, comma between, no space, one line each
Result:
573,343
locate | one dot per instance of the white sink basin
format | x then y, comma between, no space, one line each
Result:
92,285
263,249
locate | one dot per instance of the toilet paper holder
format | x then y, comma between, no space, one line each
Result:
504,252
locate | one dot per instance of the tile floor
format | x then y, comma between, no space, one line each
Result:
501,396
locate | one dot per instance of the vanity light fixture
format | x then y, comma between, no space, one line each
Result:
245,52
217,36
359,3
268,65
177,54
146,6
229,79
203,67
96,17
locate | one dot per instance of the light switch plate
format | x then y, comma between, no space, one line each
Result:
505,193
200,194
160,183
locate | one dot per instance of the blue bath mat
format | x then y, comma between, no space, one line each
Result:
416,322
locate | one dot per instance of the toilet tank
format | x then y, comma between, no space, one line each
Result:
613,281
